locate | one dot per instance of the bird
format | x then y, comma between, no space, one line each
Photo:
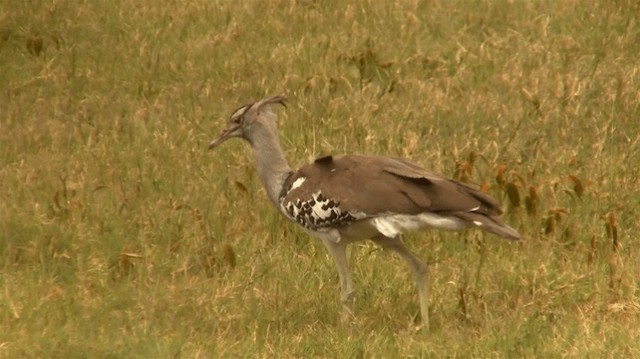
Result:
341,200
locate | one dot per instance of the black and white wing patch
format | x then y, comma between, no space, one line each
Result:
315,211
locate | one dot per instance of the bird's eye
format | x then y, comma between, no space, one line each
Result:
236,120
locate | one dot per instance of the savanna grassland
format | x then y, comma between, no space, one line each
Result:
121,236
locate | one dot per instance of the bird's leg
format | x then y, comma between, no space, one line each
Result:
418,267
338,251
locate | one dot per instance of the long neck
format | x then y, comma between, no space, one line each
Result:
271,164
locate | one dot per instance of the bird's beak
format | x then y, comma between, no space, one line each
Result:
230,132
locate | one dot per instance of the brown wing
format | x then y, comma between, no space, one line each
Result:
382,185
365,186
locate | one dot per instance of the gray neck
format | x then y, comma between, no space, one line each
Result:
271,164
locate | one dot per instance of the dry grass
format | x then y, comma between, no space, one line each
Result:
121,236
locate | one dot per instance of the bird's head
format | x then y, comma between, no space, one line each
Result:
247,119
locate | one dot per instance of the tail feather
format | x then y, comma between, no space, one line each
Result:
491,224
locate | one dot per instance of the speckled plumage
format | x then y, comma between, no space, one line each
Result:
317,212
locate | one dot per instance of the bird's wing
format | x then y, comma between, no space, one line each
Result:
383,185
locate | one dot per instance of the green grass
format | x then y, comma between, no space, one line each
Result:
122,236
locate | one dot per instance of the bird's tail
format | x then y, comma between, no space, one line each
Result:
491,224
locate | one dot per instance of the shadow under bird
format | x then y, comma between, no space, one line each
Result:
340,200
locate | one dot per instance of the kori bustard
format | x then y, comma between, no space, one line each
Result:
340,200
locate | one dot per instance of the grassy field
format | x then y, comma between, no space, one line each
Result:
121,236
